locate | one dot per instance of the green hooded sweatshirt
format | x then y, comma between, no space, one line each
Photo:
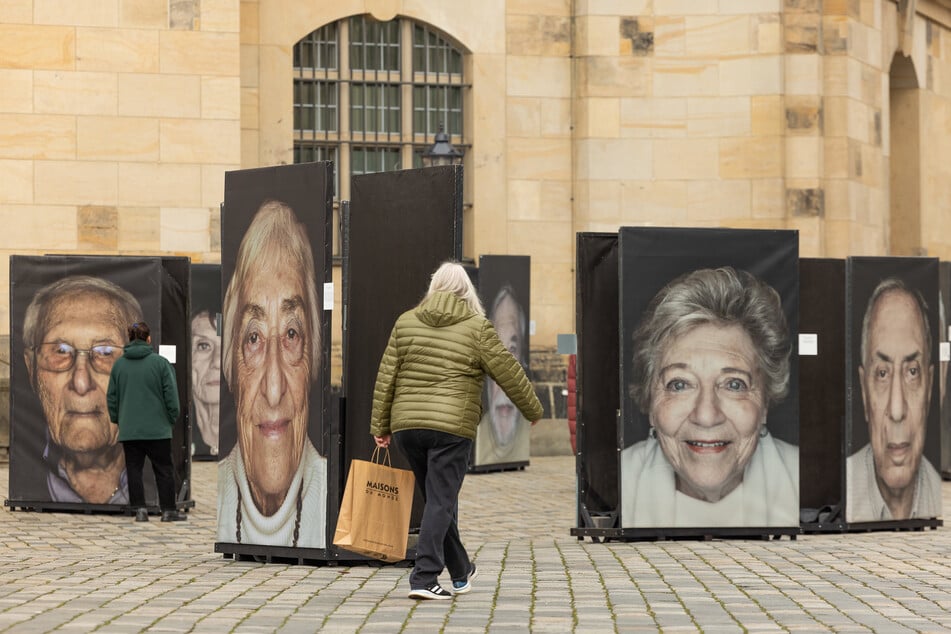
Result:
142,395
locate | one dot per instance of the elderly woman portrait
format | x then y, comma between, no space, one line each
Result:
272,487
73,332
711,356
206,380
504,434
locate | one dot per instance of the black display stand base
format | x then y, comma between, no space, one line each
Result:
89,509
699,532
501,466
865,527
332,556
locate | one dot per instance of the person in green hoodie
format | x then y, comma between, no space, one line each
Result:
428,397
143,401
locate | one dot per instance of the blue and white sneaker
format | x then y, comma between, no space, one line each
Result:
434,591
462,587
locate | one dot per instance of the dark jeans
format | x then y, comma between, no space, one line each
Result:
439,461
160,453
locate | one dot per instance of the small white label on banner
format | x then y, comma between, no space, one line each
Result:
808,344
944,351
328,295
168,352
531,327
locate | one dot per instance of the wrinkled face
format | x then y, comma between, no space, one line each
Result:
707,406
206,360
74,400
272,375
502,413
896,389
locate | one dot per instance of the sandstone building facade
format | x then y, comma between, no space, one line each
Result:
119,118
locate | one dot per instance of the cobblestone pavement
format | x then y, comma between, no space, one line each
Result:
81,573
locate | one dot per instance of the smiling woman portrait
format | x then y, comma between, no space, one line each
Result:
272,487
711,356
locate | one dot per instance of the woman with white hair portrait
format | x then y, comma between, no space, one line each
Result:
272,487
710,356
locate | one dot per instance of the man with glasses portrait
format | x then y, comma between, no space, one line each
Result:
73,332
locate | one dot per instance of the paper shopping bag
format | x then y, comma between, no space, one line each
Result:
375,510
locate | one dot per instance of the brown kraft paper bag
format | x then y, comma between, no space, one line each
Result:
375,510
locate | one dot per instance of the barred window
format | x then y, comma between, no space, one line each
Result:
315,107
370,96
368,160
435,106
374,45
318,50
433,53
375,108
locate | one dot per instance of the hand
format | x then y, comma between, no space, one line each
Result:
534,422
382,441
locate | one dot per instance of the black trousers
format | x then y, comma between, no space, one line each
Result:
160,453
439,461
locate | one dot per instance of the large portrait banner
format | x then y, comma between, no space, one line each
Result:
504,436
893,438
275,336
69,317
205,316
709,379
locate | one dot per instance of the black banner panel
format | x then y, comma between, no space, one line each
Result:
402,226
69,317
893,438
275,366
821,389
944,277
709,379
205,347
598,378
504,438
176,335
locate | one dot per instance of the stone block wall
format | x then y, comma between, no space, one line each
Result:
118,120
117,123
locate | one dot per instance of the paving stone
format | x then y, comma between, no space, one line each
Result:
73,572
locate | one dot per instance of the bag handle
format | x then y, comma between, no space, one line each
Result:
381,457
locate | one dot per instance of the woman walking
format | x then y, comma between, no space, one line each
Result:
428,395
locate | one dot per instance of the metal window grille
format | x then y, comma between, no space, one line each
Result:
375,108
433,54
371,159
437,105
374,46
317,50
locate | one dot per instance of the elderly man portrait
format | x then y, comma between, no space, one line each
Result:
890,478
73,332
272,487
504,434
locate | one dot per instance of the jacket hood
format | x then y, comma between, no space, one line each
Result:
443,309
137,350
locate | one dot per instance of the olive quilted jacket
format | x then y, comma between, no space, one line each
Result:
431,373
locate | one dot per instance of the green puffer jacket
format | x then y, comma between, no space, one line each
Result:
431,373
